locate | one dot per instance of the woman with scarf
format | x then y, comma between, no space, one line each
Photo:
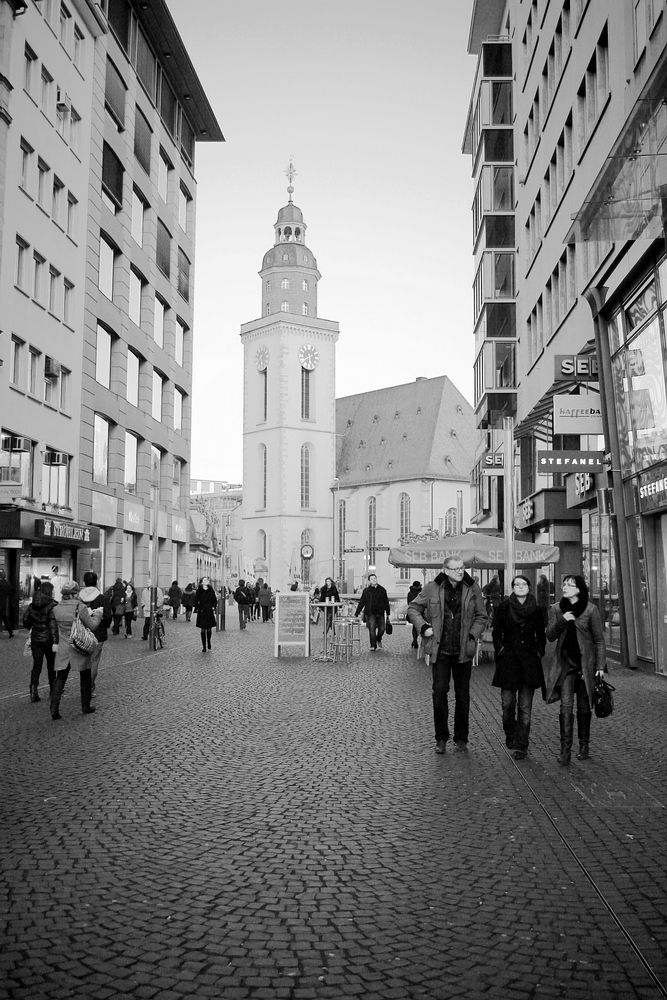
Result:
205,604
580,656
518,641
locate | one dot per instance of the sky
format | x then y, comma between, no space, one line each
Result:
370,98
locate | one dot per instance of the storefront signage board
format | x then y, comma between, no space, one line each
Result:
576,367
10,492
292,622
653,489
105,509
570,461
64,531
577,415
133,517
179,529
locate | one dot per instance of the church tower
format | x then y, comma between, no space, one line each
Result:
289,416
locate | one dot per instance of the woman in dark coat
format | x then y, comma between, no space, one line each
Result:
175,595
205,604
519,642
329,592
41,620
188,600
580,657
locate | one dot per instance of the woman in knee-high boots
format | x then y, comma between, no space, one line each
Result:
205,604
40,619
581,656
68,656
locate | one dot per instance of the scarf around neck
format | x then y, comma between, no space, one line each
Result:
519,610
571,643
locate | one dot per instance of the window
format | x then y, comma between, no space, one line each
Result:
146,65
132,387
26,166
68,303
50,390
164,166
107,265
156,403
404,518
177,476
112,178
74,131
65,26
305,394
142,141
305,476
57,197
15,356
640,27
304,309
43,186
593,92
371,514
114,95
156,465
158,322
262,475
72,215
39,271
183,275
22,263
65,376
168,105
451,526
163,252
45,91
268,309
33,370
55,478
284,307
29,70
187,141
136,290
79,50
17,466
265,392
103,357
184,199
180,339
54,286
304,285
100,450
130,463
178,410
284,283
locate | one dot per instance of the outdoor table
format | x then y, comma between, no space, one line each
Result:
325,655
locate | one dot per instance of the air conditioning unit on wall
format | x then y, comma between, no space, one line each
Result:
63,101
55,458
52,368
16,444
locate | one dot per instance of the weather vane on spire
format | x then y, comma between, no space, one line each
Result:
290,173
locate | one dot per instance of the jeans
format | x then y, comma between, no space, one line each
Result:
517,727
129,618
375,626
42,651
574,685
244,615
265,612
445,668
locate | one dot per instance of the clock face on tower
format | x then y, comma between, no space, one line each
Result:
308,357
262,359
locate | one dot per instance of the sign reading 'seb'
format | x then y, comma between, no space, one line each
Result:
582,367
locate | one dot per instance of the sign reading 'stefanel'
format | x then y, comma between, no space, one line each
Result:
653,488
570,461
576,367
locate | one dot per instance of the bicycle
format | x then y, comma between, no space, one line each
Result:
160,633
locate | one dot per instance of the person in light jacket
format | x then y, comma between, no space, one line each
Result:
580,657
95,613
518,641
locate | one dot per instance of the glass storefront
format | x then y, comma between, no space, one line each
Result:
599,569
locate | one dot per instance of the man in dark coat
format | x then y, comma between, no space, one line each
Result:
412,593
6,601
244,598
374,603
450,615
116,598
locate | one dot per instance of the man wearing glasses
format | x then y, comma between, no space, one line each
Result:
450,615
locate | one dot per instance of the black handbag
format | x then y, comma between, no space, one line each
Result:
603,699
388,627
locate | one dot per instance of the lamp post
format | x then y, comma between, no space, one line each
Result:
336,514
508,429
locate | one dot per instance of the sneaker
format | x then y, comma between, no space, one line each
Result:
441,746
373,649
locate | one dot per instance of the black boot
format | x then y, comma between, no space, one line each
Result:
57,693
86,692
566,730
208,636
584,734
34,696
203,640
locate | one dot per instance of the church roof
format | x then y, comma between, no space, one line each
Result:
424,429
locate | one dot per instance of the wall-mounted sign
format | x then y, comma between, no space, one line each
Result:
66,531
105,509
566,461
579,367
493,460
653,488
577,415
133,517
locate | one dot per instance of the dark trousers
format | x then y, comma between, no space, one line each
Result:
188,613
86,683
42,651
6,617
129,618
517,725
117,621
446,668
206,634
375,626
265,612
244,614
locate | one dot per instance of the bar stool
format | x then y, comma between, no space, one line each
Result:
342,641
355,628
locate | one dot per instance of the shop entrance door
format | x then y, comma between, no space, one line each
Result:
661,592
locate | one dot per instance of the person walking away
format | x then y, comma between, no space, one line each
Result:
450,615
265,597
146,606
580,657
6,601
374,603
415,589
205,604
175,595
519,642
242,598
493,595
90,596
188,600
40,619
255,599
129,607
97,620
544,597
117,597
329,592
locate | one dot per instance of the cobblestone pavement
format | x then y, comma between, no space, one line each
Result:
233,825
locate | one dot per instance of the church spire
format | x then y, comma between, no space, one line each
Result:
290,173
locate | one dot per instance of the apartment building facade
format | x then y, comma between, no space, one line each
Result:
589,125
104,110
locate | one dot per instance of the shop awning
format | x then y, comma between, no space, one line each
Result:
483,551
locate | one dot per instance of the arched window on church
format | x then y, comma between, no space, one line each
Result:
304,284
305,393
371,525
304,309
306,539
451,525
284,307
284,283
403,516
268,309
261,544
262,476
305,476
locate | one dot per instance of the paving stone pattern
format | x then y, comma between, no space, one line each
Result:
231,825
